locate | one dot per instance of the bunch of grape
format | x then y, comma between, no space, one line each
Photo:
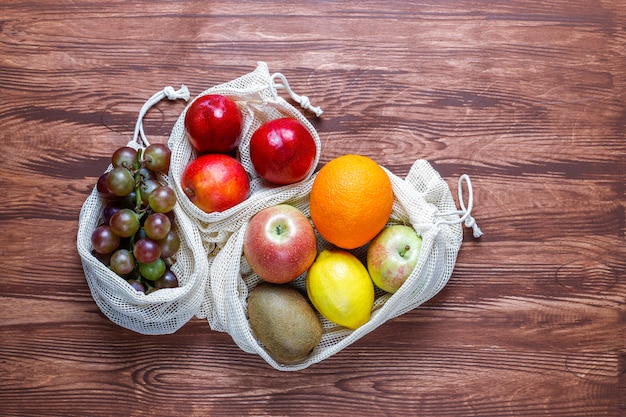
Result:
135,238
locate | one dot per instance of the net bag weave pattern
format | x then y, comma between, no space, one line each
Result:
256,95
163,311
422,200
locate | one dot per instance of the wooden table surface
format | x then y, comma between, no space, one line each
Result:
527,97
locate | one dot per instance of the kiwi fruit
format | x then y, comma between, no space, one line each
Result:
284,322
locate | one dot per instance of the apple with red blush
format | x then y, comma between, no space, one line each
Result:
282,151
213,124
280,243
392,255
215,182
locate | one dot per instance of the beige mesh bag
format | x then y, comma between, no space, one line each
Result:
256,94
163,311
422,200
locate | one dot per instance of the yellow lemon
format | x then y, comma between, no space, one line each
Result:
340,288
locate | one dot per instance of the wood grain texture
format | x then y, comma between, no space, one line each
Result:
528,97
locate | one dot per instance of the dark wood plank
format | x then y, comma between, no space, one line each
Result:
526,97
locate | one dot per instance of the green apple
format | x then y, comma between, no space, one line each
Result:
392,256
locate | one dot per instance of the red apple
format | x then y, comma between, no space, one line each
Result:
282,151
215,182
280,243
213,124
392,256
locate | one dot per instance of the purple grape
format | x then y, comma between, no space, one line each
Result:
122,262
110,209
162,199
103,190
124,157
157,226
137,285
120,182
167,280
147,186
104,240
124,223
146,251
169,244
157,157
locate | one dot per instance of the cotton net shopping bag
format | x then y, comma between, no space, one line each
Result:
163,311
256,95
422,200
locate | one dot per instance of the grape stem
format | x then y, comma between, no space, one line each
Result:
138,200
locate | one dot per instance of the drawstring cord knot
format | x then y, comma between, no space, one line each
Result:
304,101
465,212
168,92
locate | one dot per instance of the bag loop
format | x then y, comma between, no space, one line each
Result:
465,212
168,92
303,100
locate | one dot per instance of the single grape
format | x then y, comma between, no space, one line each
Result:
124,223
103,190
169,244
157,157
124,157
110,209
120,182
167,280
137,285
152,270
146,251
122,262
147,187
162,199
157,226
104,240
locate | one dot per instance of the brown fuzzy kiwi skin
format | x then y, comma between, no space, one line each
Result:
284,322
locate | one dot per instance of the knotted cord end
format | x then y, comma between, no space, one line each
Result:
465,212
168,92
304,101
470,222
172,94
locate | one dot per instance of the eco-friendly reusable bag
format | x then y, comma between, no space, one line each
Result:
422,200
163,311
256,95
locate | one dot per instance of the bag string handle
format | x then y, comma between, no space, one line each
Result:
168,92
465,212
303,100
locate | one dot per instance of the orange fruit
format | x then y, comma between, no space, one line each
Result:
351,200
